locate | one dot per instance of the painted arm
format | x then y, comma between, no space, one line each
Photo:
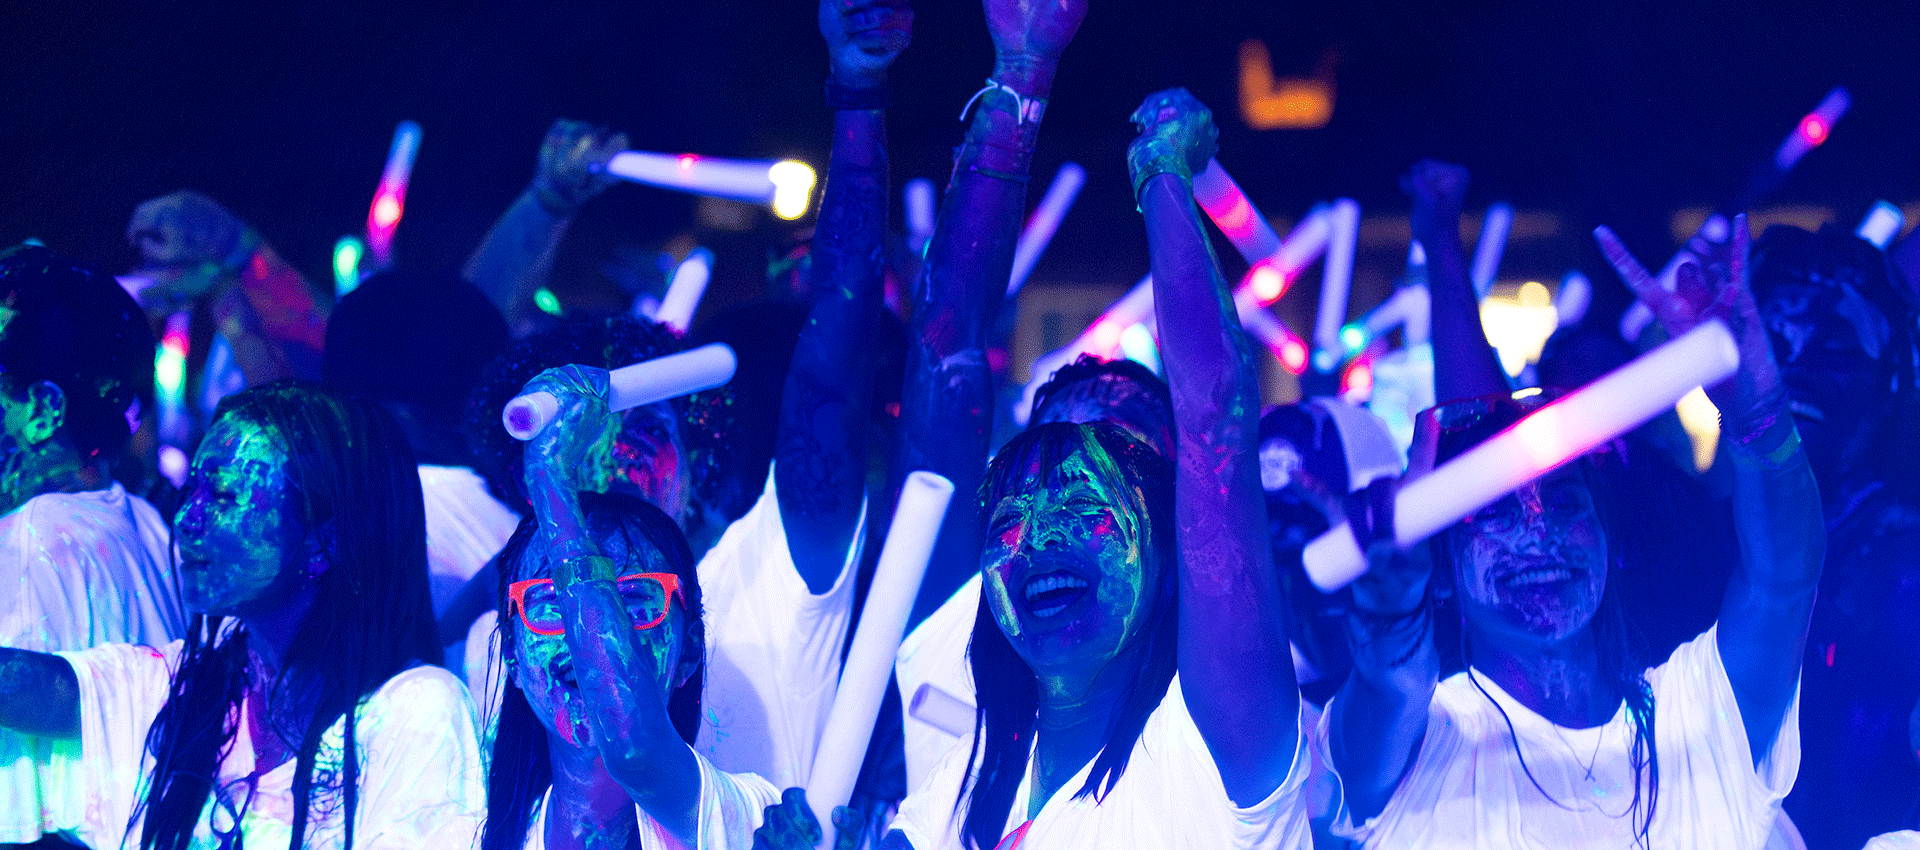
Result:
1777,516
822,449
1235,667
516,255
39,694
946,407
1464,365
620,681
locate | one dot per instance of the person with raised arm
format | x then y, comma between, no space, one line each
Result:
1130,647
1556,734
303,708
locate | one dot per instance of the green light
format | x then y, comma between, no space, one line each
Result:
1353,338
347,253
548,303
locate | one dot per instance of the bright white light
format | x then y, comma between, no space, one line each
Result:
1701,420
792,188
1517,322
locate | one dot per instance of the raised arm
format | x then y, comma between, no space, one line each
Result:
822,449
1235,667
39,695
1763,620
1464,365
946,407
620,681
516,255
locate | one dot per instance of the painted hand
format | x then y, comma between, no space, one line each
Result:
1716,290
569,173
1177,136
575,452
1439,191
864,37
1033,31
790,825
1395,583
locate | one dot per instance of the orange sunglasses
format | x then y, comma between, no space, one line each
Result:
648,608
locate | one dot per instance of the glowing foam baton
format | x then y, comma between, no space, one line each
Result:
1610,406
1813,129
1575,296
631,386
1494,228
390,199
683,292
787,185
941,710
869,665
919,203
1882,223
1227,204
348,251
1044,222
1335,282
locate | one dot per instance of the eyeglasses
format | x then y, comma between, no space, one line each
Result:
648,596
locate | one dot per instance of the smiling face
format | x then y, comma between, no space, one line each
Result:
1068,571
648,459
239,528
1532,565
543,664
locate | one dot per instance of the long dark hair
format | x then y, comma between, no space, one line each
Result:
1007,690
521,770
350,469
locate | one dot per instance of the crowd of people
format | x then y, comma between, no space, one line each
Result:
368,616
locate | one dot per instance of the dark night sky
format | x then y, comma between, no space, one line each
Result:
1618,112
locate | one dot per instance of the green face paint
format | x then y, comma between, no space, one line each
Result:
238,527
1067,570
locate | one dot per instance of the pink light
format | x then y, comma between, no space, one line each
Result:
1234,217
1293,355
386,211
1106,337
687,160
1813,129
1358,378
1267,282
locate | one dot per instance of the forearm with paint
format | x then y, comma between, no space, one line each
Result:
516,256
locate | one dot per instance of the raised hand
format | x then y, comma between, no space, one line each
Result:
1438,190
1177,136
864,37
1717,290
1030,35
572,158
574,453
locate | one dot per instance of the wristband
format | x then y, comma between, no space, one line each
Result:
849,97
1027,109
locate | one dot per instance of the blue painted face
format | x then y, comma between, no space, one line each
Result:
1067,570
242,542
1534,564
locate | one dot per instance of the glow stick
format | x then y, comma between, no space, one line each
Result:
941,710
1286,345
170,379
919,201
739,179
1335,282
1493,243
1882,223
631,386
1231,211
1408,306
1813,129
390,199
883,622
347,253
1610,406
683,293
1044,222
1573,299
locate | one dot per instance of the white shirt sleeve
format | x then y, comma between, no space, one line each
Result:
773,648
122,688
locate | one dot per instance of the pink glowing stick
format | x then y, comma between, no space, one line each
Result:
631,386
745,180
883,622
1610,406
1044,222
390,199
1813,129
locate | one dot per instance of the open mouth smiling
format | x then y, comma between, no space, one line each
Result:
1534,577
1050,593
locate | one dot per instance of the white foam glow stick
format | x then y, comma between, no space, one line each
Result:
631,386
919,202
1492,244
1235,215
390,200
941,710
1882,223
1044,222
1408,306
1610,406
869,665
1575,296
683,292
1335,282
740,179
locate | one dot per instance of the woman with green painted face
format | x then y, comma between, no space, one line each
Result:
1130,652
303,708
603,640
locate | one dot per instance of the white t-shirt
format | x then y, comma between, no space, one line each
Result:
773,648
935,654
1905,839
1466,787
420,776
466,527
1169,797
76,570
732,806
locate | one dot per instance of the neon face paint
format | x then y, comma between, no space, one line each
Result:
1067,566
1534,563
647,459
238,525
